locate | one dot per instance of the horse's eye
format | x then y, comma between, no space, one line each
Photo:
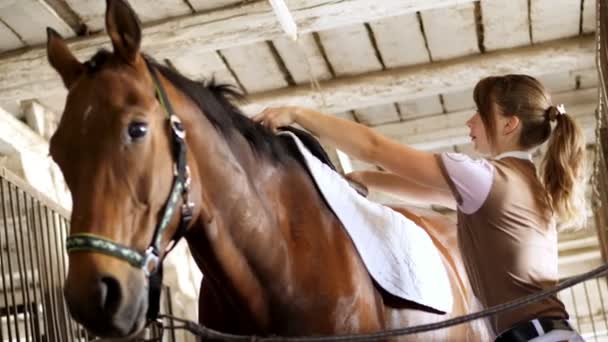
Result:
137,130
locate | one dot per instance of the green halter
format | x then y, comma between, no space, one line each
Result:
148,260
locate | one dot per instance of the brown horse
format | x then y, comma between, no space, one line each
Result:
275,259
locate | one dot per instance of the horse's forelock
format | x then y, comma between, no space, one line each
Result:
99,59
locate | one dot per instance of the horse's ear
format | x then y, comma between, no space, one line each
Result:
124,29
61,58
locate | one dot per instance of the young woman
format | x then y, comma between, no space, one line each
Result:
507,214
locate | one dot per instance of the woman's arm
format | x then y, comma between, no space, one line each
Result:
363,143
403,188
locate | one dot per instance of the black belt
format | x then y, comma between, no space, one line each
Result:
532,329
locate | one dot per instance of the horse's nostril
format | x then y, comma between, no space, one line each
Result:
109,294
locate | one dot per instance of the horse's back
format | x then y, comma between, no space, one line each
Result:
443,232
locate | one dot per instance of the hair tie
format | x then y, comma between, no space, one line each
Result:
554,111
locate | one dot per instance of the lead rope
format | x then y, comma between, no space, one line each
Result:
204,332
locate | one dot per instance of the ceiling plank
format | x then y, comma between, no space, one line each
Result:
303,58
63,10
205,65
558,82
377,115
400,41
8,39
500,33
206,5
403,84
589,10
93,12
255,67
553,19
420,107
160,9
349,50
451,32
29,19
458,100
587,78
25,74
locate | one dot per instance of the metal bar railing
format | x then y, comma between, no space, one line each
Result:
588,300
587,308
25,293
33,267
11,310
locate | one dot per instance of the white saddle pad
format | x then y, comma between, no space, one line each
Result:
398,254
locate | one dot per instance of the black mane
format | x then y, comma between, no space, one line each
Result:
215,101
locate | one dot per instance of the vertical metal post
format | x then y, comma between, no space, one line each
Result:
4,198
35,269
52,325
590,311
576,314
599,290
18,229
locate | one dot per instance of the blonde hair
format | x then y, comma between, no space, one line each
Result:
562,170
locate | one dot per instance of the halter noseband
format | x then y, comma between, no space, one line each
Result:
149,261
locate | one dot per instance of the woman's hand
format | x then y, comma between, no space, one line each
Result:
276,117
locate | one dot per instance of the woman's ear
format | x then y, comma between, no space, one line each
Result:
511,124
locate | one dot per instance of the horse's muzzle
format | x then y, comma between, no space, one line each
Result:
107,306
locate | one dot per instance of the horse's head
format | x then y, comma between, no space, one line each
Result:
116,147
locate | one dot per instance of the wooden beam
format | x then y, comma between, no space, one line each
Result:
436,139
438,131
402,84
26,154
600,206
35,116
26,74
16,137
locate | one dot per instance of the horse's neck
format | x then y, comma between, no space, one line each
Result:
242,245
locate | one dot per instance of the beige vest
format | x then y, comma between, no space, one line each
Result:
509,245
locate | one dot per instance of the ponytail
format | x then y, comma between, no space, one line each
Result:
563,169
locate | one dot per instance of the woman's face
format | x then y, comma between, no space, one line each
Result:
478,134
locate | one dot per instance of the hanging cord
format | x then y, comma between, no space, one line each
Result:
315,86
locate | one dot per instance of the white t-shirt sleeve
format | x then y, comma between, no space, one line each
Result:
471,178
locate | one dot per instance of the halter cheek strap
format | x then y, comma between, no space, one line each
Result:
148,260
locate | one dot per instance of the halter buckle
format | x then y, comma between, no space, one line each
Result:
177,126
150,262
187,209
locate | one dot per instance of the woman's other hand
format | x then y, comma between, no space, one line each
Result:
276,117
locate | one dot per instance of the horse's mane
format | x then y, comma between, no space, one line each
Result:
216,102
